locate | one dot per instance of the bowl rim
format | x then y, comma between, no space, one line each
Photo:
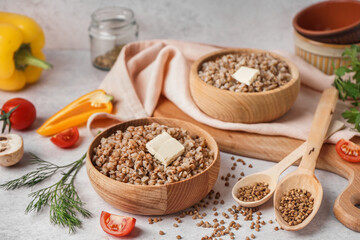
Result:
100,135
323,33
295,76
321,44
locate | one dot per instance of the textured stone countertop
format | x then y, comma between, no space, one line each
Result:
258,24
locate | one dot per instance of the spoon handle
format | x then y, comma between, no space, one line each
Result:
319,127
299,152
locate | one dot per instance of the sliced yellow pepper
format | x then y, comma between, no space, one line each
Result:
77,112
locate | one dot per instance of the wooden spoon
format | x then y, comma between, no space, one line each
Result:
304,177
271,175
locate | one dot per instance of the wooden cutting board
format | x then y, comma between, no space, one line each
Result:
275,148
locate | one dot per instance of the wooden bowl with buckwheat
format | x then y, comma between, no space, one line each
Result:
126,176
220,96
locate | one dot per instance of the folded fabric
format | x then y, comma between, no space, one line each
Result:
145,70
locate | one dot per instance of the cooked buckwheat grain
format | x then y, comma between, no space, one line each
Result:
123,156
218,73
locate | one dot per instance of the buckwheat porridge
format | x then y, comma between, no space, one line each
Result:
218,73
123,156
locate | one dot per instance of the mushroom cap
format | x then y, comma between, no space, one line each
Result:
11,149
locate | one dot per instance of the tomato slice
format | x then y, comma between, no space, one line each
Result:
116,225
67,138
348,150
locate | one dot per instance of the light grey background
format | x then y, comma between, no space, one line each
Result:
240,23
259,24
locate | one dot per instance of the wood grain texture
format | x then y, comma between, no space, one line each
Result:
275,148
271,175
243,107
320,124
303,180
304,176
154,200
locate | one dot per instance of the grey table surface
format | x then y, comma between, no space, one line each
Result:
257,24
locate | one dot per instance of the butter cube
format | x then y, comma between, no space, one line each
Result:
246,75
155,144
165,148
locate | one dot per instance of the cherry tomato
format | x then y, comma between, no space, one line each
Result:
116,225
66,138
348,150
23,116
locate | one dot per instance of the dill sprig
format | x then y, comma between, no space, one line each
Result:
61,197
44,170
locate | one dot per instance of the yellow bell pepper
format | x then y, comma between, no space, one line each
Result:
77,112
21,59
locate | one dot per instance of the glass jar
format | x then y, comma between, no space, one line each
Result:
110,29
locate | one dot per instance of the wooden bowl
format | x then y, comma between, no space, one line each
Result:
335,22
243,107
321,55
154,200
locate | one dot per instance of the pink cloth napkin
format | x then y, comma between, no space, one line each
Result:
145,70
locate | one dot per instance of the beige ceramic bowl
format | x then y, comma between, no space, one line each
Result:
321,55
243,107
154,200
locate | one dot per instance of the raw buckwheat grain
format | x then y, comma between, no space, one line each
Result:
253,193
296,205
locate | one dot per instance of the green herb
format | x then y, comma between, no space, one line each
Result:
5,117
44,170
61,197
349,88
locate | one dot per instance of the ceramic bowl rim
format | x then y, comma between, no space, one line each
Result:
324,33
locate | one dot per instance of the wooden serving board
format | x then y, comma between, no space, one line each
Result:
275,148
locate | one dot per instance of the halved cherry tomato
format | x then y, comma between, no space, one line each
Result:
348,150
67,138
116,225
